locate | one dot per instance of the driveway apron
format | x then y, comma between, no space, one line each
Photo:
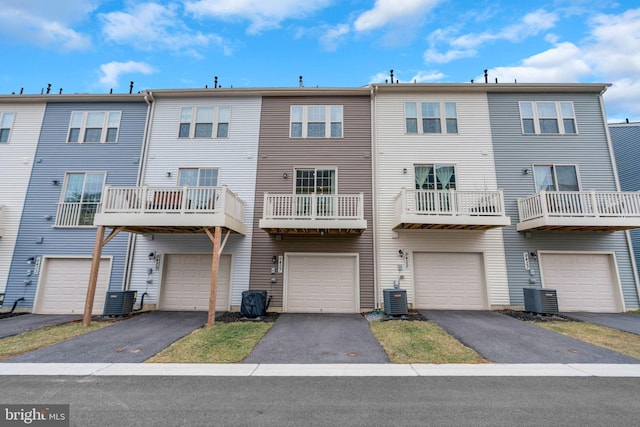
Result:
626,322
27,322
318,338
503,339
127,341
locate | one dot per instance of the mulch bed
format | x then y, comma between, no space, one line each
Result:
535,317
413,315
235,316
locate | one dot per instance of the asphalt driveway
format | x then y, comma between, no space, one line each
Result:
127,341
15,325
626,322
318,338
503,339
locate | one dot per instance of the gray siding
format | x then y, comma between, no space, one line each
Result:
277,153
588,150
54,157
626,145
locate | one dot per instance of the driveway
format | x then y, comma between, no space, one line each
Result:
127,341
503,339
27,322
318,338
626,322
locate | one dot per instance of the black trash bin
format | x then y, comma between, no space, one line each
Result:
254,303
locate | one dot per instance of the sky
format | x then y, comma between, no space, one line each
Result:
95,46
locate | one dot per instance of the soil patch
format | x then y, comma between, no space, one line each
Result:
235,316
535,317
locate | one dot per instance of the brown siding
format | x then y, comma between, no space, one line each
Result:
277,153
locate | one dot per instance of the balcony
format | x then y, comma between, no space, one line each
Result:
449,210
580,211
313,214
171,209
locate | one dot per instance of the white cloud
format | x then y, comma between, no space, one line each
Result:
419,77
262,14
427,76
387,12
431,55
150,26
332,37
112,71
46,23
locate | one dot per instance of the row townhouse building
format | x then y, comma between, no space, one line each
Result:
461,194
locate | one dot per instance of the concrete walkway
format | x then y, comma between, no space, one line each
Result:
318,338
127,341
626,322
503,339
26,322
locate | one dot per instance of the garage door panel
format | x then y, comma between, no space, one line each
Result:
584,282
187,282
64,283
321,284
450,281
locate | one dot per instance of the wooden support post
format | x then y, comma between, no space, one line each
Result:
93,276
214,272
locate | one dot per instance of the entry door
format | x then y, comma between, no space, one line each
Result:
201,197
318,183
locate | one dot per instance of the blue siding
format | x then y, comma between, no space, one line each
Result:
54,157
514,152
626,145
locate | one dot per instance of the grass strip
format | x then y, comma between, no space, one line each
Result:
421,342
224,343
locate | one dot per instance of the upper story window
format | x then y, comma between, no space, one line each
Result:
6,123
431,117
316,121
81,197
204,122
198,177
556,178
435,177
548,117
94,126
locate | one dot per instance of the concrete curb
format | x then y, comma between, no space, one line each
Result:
320,370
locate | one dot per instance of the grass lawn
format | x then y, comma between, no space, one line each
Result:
224,343
33,340
421,342
635,312
613,339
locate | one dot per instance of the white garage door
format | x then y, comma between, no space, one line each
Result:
449,281
585,282
187,282
322,284
63,286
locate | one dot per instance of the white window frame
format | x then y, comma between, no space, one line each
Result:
199,170
82,126
328,121
435,166
553,167
191,121
559,117
6,128
73,211
315,171
442,116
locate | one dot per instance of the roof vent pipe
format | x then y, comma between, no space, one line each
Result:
496,80
215,82
627,120
391,76
131,87
111,91
486,76
48,88
300,82
21,90
472,81
60,93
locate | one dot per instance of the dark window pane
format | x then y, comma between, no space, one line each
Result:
4,135
527,126
549,126
431,126
315,130
74,134
92,134
223,130
204,130
452,125
336,130
569,126
412,125
112,134
567,178
296,130
184,130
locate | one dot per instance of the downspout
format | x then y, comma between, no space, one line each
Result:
374,171
148,97
617,181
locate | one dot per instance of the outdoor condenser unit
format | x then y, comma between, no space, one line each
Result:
119,303
395,302
541,300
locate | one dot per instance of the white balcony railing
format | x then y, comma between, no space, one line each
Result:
449,203
313,207
76,214
171,200
579,204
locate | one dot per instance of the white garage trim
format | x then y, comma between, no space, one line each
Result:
324,288
613,287
199,282
450,280
48,302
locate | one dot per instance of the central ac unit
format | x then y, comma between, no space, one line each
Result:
119,303
540,300
395,302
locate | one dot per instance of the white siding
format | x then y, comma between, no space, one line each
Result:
470,150
235,157
16,161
